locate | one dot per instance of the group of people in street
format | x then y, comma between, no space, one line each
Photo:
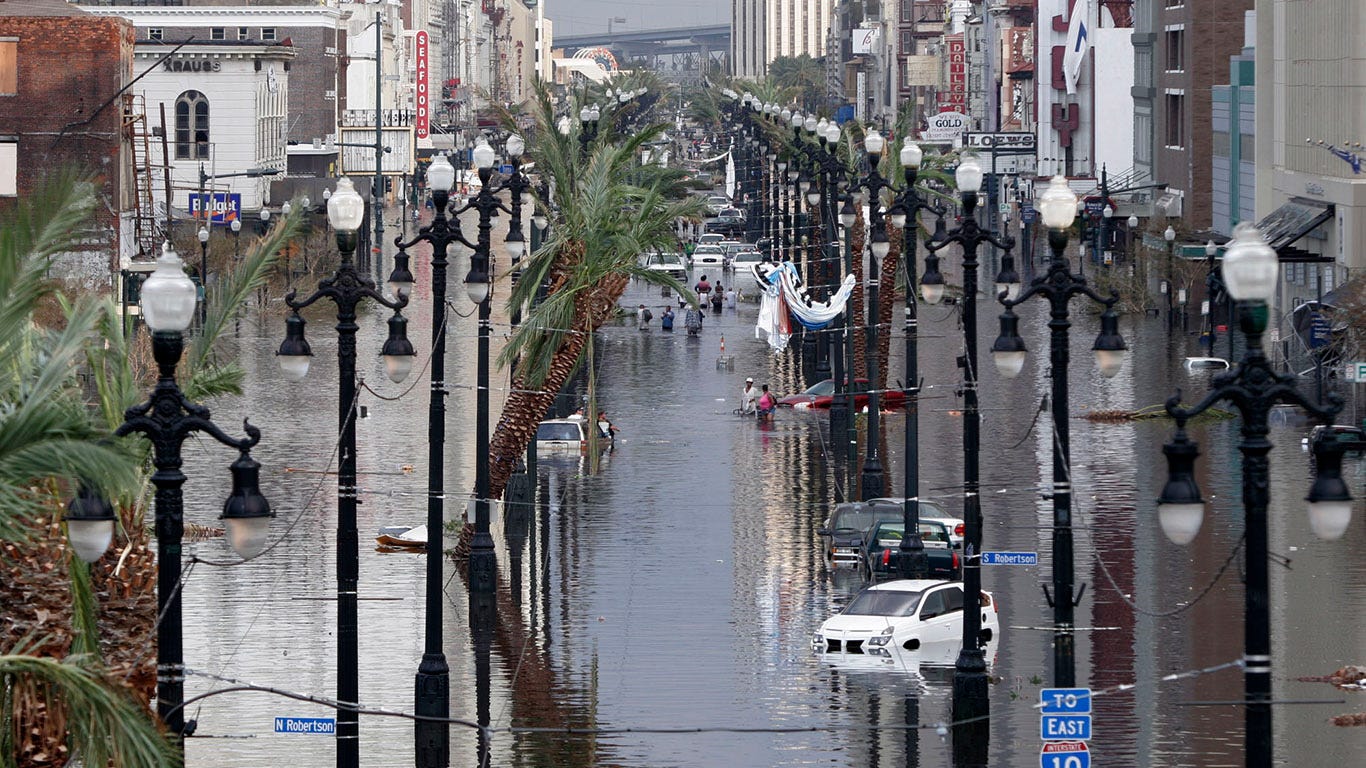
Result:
715,296
758,402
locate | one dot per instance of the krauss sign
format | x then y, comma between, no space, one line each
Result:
191,65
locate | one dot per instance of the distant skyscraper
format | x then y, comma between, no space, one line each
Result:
763,30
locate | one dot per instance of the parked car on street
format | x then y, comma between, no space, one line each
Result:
713,256
744,261
932,510
569,434
710,238
843,531
717,203
668,263
732,226
882,547
822,394
922,615
1352,439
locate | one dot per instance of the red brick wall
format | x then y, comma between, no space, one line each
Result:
67,110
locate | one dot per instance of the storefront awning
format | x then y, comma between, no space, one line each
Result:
1295,218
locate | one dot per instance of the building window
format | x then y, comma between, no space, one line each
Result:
267,33
1176,50
192,126
1176,120
218,33
243,33
9,65
9,168
154,33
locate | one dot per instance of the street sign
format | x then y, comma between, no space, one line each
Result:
223,206
325,725
358,150
1057,727
1010,558
1028,215
1320,330
1001,143
506,169
1356,372
1064,701
1065,754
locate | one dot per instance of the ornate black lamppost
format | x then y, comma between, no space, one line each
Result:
970,700
589,116
433,702
166,419
347,288
1057,205
871,484
1254,388
483,561
905,214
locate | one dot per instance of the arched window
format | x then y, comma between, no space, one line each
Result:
191,126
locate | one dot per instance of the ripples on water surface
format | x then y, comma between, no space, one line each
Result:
678,588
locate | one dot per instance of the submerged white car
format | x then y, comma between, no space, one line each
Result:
921,615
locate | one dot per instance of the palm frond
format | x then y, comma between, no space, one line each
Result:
106,724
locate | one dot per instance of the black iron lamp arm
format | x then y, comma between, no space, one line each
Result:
1251,385
347,288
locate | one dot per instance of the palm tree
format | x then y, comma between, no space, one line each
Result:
610,210
804,75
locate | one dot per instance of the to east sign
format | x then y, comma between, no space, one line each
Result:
1065,701
325,725
1058,727
1065,754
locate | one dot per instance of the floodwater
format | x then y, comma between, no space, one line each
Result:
668,600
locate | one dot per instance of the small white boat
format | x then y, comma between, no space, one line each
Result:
403,536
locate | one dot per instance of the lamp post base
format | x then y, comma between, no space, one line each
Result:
433,707
483,563
971,709
870,483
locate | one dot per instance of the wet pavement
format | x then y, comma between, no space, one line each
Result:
677,589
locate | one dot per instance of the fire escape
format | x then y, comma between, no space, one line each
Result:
150,180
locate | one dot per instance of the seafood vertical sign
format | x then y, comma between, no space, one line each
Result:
422,121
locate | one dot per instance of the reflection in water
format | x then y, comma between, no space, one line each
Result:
679,587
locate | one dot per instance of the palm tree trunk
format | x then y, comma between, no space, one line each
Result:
856,330
887,303
525,406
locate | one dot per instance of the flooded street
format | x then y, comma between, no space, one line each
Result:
669,600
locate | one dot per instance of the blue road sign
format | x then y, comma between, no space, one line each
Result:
325,725
1027,213
1010,558
1058,727
506,169
1320,331
1065,754
1065,701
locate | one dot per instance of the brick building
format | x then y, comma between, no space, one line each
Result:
62,73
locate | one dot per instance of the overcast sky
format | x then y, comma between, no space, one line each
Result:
582,17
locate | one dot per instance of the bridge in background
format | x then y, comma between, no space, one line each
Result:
676,54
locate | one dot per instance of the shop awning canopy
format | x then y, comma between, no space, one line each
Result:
1295,218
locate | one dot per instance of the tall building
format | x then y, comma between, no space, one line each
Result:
1310,130
748,54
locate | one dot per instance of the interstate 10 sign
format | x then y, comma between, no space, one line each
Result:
1065,754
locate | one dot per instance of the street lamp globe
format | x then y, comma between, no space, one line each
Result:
1008,351
1169,234
306,203
286,208
265,214
832,134
398,351
810,124
873,143
1058,204
441,174
585,114
1330,503
483,156
345,208
969,175
1250,266
1133,221
294,352
880,247
1110,349
203,235
235,226
623,97
89,524
1180,508
1107,212
1210,249
516,145
246,514
168,295
911,155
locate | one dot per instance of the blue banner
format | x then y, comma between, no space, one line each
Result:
223,206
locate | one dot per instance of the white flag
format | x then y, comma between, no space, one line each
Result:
730,175
1078,42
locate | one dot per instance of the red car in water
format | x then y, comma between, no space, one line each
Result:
822,394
